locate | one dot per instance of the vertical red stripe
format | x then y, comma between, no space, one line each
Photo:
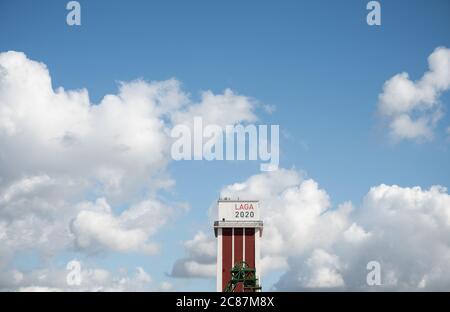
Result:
238,250
250,247
226,256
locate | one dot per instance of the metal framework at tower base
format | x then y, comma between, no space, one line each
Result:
242,274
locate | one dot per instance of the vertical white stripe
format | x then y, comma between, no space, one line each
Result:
257,255
219,260
243,244
232,247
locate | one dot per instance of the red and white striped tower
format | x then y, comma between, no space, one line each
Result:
238,231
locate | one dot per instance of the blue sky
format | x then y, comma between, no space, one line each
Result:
317,62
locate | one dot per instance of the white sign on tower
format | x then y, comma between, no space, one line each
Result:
238,210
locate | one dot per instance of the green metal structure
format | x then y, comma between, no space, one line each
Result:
241,273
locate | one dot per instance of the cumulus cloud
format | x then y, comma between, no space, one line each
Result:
412,108
115,142
224,109
200,258
323,247
29,208
79,174
91,279
322,271
289,200
96,227
120,142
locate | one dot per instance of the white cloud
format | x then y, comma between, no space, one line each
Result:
323,271
38,289
120,142
59,151
192,268
92,279
288,200
143,276
165,286
273,263
95,227
200,246
114,141
412,108
403,127
356,234
200,259
406,230
224,109
24,186
58,148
